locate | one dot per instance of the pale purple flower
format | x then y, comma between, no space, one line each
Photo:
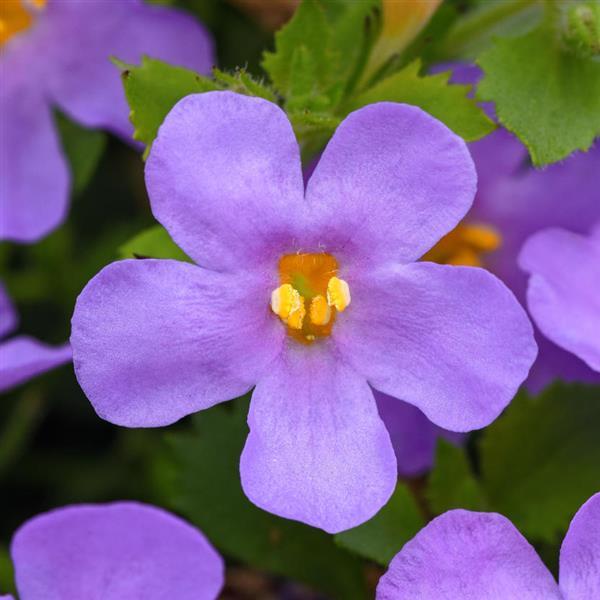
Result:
119,551
517,201
563,294
62,59
23,357
482,556
155,340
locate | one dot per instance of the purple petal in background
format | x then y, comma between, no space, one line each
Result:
413,435
87,35
23,357
155,340
34,184
390,183
117,551
452,341
564,290
580,554
224,177
468,556
317,450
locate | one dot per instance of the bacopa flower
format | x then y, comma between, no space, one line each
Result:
513,202
472,556
311,296
123,550
23,357
57,53
563,291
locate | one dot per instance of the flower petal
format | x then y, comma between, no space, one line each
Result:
88,35
8,315
471,556
23,358
453,341
580,554
392,180
112,552
224,178
317,450
34,186
155,340
413,435
563,290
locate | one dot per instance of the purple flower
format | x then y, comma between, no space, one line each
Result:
513,202
118,551
477,556
413,435
563,294
22,357
311,296
57,54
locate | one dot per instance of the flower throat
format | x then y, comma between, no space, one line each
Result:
16,16
309,296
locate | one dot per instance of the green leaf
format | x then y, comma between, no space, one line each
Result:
6,572
545,95
541,459
154,242
83,149
153,88
242,82
432,93
381,538
452,483
203,482
300,64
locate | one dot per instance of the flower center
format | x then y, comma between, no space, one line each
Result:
16,16
465,245
309,296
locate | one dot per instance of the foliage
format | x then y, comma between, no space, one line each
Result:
549,97
384,535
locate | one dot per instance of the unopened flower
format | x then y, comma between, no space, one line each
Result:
472,556
57,54
22,357
563,294
118,551
312,296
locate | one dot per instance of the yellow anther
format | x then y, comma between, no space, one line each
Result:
296,317
338,294
320,311
285,300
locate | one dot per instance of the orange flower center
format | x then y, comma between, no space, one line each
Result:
310,295
17,16
465,245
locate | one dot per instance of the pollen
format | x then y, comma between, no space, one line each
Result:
309,295
320,311
338,294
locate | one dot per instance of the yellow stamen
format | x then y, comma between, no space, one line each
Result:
320,311
285,300
338,294
296,318
465,245
309,284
